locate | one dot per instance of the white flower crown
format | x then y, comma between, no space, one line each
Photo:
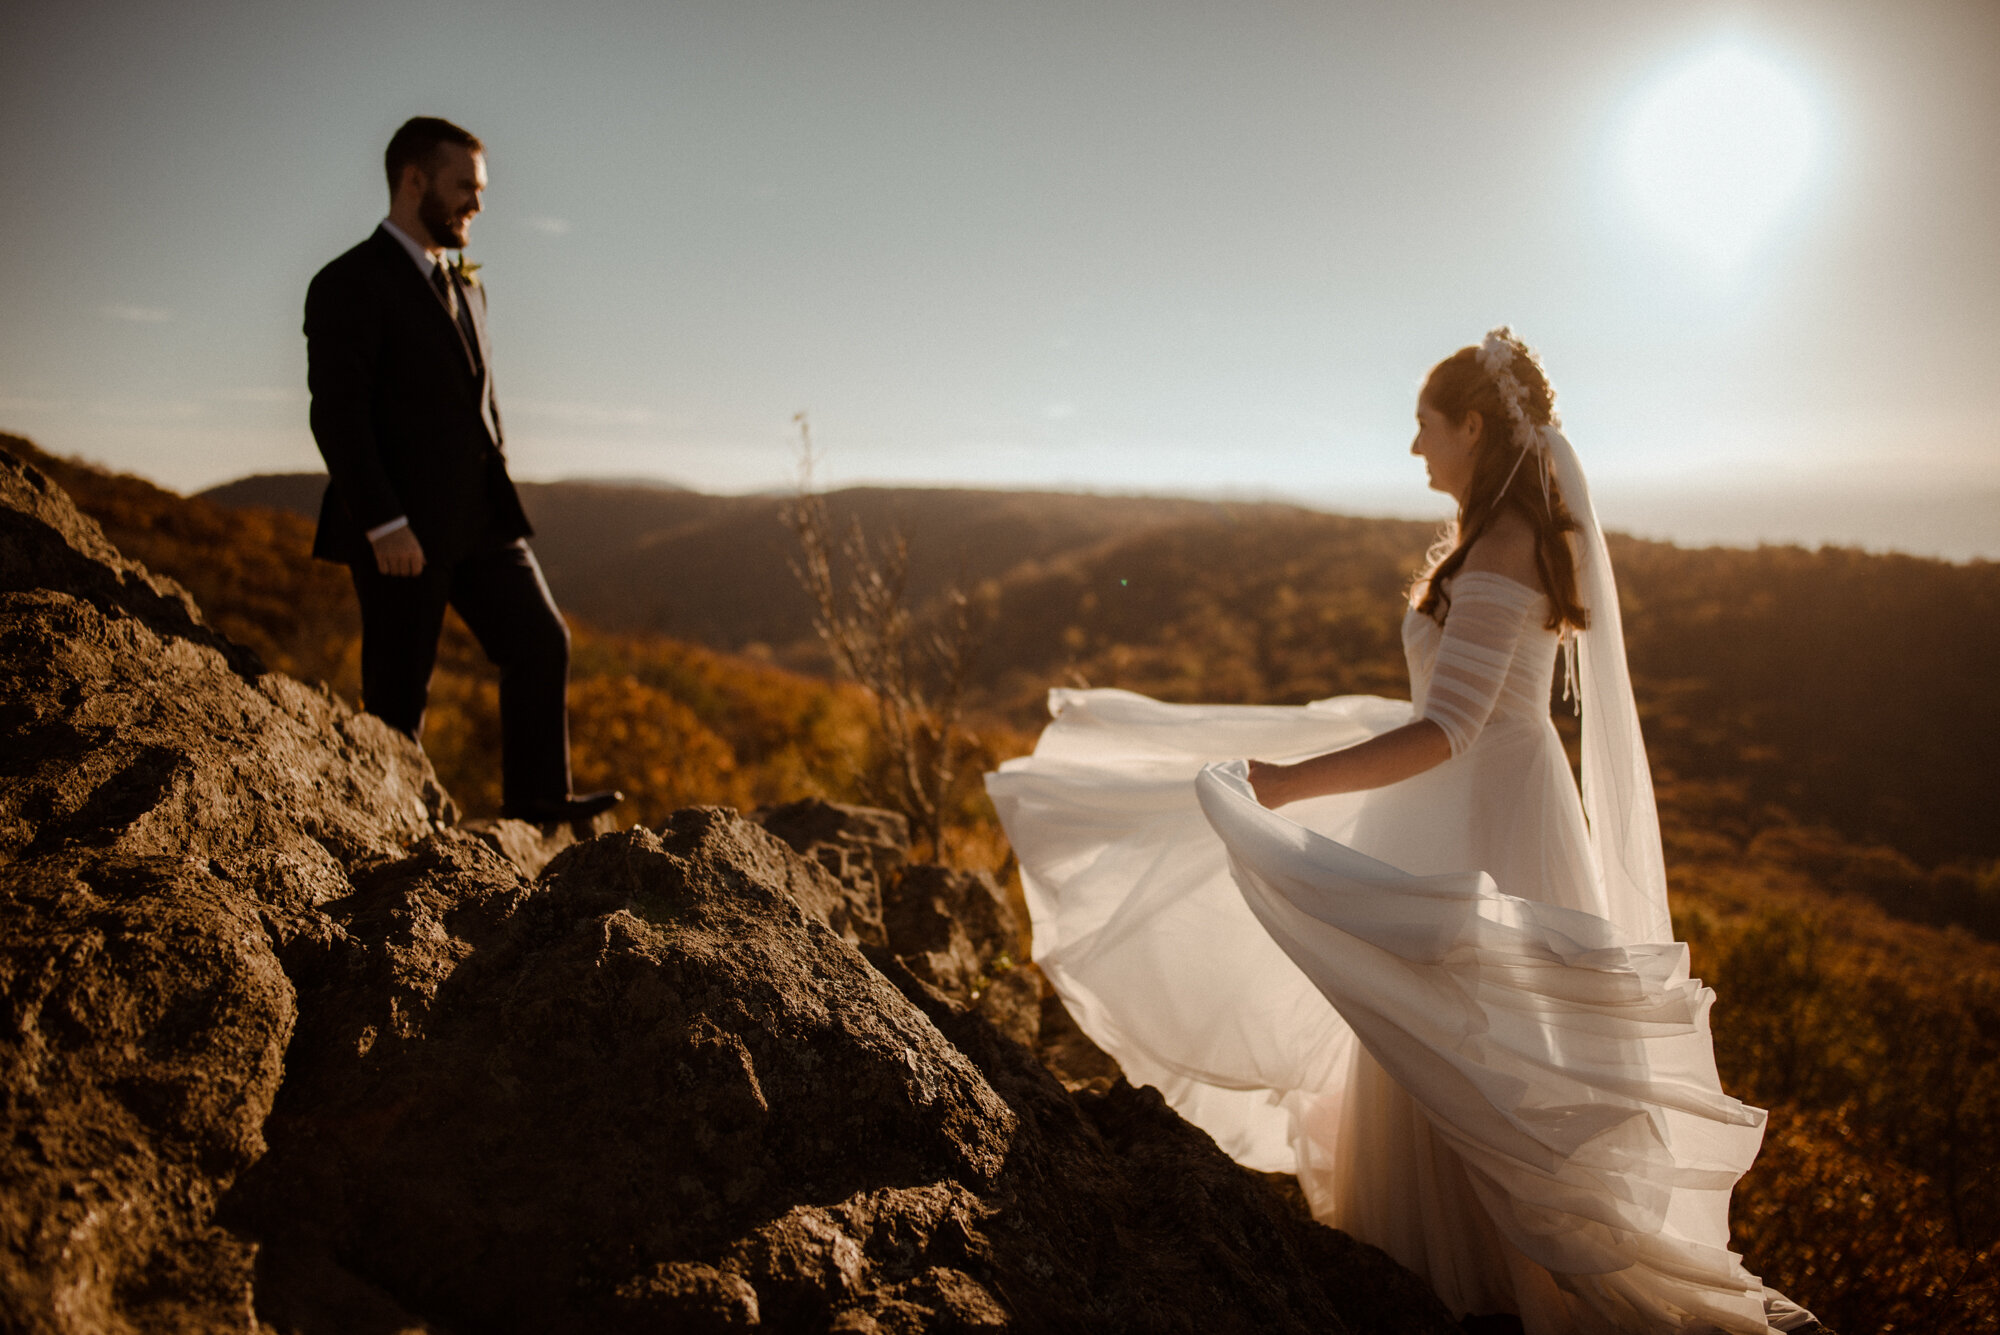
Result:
1496,358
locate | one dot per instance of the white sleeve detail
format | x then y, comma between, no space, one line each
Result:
1482,628
381,531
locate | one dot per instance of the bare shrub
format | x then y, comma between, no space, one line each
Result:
915,667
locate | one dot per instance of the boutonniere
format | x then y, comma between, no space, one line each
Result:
465,270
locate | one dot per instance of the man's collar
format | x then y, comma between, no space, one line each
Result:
425,261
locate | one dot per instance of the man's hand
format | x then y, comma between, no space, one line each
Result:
399,553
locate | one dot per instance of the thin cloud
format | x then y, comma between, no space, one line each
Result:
582,414
139,314
147,410
262,394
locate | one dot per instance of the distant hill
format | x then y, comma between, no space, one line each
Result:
1834,687
297,493
636,482
717,569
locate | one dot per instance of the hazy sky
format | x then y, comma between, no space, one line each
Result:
1125,246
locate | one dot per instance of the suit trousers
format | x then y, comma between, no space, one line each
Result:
501,596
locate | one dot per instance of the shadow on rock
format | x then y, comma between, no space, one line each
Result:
649,1058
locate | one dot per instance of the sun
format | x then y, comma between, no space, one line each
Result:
1719,149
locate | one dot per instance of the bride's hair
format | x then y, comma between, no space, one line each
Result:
1502,480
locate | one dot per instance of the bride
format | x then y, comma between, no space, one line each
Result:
1438,988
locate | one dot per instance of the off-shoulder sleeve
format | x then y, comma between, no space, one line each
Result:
1487,616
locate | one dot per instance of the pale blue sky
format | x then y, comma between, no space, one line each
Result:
1124,246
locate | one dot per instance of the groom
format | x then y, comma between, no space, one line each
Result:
419,505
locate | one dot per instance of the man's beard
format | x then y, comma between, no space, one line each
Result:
439,222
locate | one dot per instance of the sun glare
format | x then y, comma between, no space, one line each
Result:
1719,149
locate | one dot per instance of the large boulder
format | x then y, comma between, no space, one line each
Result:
654,1092
864,849
133,727
531,847
285,1048
632,1067
146,1025
167,813
952,928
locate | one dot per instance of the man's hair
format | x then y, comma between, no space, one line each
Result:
418,142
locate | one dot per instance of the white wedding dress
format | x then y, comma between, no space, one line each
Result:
1450,1006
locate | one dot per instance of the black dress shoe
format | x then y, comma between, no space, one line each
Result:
556,810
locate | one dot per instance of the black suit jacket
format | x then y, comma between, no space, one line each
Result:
403,410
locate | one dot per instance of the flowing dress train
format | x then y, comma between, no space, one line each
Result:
1423,999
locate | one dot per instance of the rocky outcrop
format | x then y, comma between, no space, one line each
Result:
953,929
168,817
860,848
863,848
532,847
286,1048
950,926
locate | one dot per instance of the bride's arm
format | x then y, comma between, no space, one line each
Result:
1389,758
1478,644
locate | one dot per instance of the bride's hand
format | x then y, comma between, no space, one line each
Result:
1267,781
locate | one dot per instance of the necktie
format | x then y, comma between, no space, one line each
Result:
447,288
442,283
